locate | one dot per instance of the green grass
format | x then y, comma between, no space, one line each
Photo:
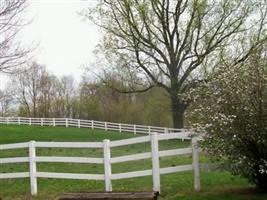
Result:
216,185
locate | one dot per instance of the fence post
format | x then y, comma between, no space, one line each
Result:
79,123
30,121
107,165
106,126
92,124
18,120
166,130
120,128
155,162
7,121
33,179
149,130
196,165
42,121
134,129
67,124
54,122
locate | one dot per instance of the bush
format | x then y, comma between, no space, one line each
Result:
232,109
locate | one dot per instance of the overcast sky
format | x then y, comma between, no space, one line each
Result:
66,42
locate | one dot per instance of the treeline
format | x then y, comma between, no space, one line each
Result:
35,92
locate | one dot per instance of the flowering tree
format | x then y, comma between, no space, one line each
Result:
232,108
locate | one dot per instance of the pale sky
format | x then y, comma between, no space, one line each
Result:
66,42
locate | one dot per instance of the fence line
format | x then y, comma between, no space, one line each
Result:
93,124
106,160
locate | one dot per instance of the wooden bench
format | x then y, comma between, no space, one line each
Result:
109,196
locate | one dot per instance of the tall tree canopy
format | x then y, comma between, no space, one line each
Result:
172,44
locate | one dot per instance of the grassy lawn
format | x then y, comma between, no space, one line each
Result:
216,185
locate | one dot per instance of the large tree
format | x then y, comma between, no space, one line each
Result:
172,44
12,53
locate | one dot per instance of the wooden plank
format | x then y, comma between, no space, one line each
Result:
127,125
131,157
181,135
14,160
112,126
69,159
125,142
173,152
14,146
131,174
109,195
14,175
70,144
142,131
70,176
127,130
182,168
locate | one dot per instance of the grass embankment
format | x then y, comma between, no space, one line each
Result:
178,186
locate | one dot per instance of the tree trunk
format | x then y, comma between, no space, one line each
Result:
178,109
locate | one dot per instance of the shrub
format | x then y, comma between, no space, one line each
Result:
232,109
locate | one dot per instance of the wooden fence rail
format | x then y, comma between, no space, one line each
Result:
80,123
106,160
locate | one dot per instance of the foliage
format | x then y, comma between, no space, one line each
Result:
173,44
232,108
35,92
42,94
103,103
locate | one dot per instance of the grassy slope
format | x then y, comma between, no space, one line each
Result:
215,185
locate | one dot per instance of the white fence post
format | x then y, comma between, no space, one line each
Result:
196,164
18,120
92,125
54,122
107,165
155,162
67,122
149,130
30,121
79,123
7,120
120,128
106,126
33,179
134,129
166,130
42,121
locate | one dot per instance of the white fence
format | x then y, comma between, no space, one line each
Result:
106,160
80,123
